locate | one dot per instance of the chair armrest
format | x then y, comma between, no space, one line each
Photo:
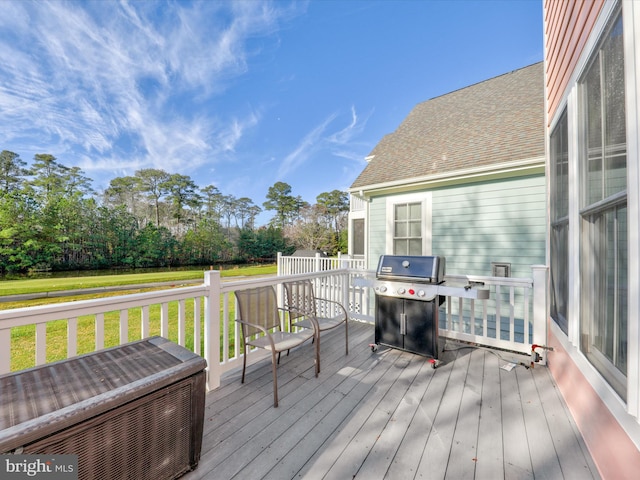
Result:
308,313
259,327
326,300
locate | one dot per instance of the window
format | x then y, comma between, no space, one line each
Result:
407,229
603,213
559,222
358,236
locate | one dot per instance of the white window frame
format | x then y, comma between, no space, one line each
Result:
558,222
595,322
425,199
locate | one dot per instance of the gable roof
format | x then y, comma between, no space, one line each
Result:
496,121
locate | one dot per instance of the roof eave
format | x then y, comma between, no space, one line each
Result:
516,168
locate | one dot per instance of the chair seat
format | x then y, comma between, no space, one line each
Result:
323,322
282,340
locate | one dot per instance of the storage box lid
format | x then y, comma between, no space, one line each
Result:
68,391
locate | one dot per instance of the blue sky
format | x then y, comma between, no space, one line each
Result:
241,94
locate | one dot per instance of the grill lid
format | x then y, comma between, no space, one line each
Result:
428,269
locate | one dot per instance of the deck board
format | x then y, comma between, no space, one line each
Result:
490,462
388,414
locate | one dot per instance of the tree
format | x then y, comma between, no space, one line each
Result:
48,177
264,242
151,181
59,192
12,171
309,233
212,202
156,247
181,191
76,183
286,206
123,191
246,212
335,205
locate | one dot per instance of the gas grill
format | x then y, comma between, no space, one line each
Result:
408,292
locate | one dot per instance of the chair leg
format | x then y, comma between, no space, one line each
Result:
244,362
346,337
318,355
275,378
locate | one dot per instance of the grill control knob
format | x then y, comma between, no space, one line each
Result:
383,288
401,290
421,293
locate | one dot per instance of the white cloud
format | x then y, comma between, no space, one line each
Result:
100,79
309,144
338,144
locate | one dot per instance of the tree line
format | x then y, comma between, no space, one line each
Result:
52,219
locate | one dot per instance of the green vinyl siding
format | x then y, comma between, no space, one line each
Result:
498,221
474,224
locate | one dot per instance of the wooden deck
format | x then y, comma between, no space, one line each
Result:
388,414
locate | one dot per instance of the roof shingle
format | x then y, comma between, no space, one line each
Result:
495,121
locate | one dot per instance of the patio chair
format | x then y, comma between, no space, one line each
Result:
259,317
308,311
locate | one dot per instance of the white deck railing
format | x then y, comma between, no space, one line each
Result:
513,318
202,317
296,265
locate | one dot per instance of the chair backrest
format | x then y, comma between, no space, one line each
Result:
258,306
300,298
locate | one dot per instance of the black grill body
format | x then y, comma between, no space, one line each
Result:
410,325
406,306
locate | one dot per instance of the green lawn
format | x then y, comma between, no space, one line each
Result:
15,287
23,338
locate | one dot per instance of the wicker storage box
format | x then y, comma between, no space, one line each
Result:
134,411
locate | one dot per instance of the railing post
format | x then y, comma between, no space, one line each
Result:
345,292
279,272
317,265
540,309
212,328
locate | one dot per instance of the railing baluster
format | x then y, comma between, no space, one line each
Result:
512,323
5,350
181,322
72,337
99,319
41,343
164,319
225,327
196,326
144,321
527,336
472,315
124,326
498,314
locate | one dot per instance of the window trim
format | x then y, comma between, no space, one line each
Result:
590,286
425,198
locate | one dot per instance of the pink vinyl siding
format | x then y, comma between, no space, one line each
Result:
568,25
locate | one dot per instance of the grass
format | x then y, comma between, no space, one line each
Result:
41,285
23,338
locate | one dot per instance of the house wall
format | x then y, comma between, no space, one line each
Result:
474,224
609,423
567,29
496,221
